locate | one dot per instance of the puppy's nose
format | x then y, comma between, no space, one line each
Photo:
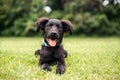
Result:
53,33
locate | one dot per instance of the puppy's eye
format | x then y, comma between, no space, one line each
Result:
50,24
58,26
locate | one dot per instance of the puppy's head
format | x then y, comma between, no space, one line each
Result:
53,30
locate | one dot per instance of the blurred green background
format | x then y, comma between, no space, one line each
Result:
90,18
90,58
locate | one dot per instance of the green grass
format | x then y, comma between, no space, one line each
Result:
89,59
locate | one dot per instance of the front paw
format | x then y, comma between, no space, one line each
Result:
46,67
66,54
37,52
60,69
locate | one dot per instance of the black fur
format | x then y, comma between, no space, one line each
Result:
53,29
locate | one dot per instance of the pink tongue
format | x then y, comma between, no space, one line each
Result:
51,42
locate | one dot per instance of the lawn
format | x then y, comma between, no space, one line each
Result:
88,59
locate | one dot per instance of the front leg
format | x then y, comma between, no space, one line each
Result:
65,53
46,67
61,66
37,52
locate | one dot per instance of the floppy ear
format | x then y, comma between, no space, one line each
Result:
40,23
67,26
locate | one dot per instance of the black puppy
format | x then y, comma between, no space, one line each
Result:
52,50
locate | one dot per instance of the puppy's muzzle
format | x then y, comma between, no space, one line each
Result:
53,36
52,39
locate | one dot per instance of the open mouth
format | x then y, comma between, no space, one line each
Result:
52,40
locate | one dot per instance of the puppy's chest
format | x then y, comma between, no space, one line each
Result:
52,54
48,52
